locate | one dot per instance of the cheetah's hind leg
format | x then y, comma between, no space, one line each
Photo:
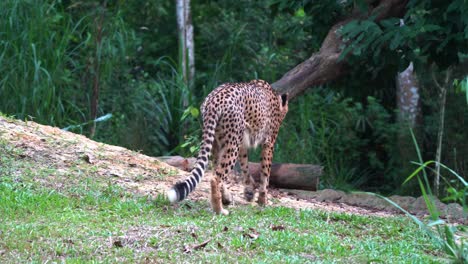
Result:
226,195
248,181
216,197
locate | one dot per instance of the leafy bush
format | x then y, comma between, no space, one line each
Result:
351,140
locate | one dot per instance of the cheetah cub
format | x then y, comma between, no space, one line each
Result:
236,116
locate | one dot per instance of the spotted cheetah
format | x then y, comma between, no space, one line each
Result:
236,116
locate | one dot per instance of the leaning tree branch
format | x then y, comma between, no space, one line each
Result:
325,65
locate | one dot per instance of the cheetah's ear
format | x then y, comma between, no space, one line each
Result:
284,99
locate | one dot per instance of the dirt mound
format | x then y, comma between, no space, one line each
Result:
50,147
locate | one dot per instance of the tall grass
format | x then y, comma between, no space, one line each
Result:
35,61
148,113
52,57
48,56
442,234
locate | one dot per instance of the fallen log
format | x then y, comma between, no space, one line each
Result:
290,176
283,175
182,163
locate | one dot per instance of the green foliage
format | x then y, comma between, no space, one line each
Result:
48,59
152,111
349,139
257,39
59,56
433,32
155,28
191,142
455,154
462,87
34,58
456,195
430,34
440,232
460,196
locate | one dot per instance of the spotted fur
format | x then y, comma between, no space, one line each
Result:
236,116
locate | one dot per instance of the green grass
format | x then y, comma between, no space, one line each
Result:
98,222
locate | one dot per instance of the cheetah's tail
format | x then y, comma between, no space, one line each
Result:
182,189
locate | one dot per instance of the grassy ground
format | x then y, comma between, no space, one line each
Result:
95,221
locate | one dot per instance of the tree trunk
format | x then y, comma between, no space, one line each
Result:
99,23
185,164
408,100
325,65
408,97
186,43
180,9
290,176
190,44
440,133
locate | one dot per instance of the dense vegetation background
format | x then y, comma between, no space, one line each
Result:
59,58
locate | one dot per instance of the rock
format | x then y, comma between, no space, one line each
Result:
416,206
364,200
419,206
329,195
377,203
455,211
404,202
302,194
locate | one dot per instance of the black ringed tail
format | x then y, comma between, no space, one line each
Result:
182,189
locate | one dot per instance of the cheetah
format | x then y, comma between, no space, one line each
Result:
236,117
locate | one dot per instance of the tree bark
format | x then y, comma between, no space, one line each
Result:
186,43
287,175
409,109
290,176
408,101
325,65
408,97
99,23
180,10
185,164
